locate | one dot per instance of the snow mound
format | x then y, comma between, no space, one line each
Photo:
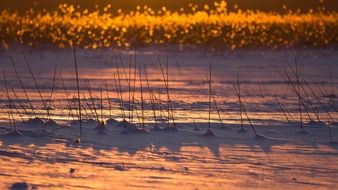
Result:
123,123
35,122
101,128
170,129
156,128
130,128
209,133
111,122
92,122
52,123
224,127
14,133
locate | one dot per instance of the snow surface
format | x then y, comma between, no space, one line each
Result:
282,158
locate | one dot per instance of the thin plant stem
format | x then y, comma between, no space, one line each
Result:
78,89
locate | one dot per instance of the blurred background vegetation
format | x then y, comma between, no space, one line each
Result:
127,5
134,23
